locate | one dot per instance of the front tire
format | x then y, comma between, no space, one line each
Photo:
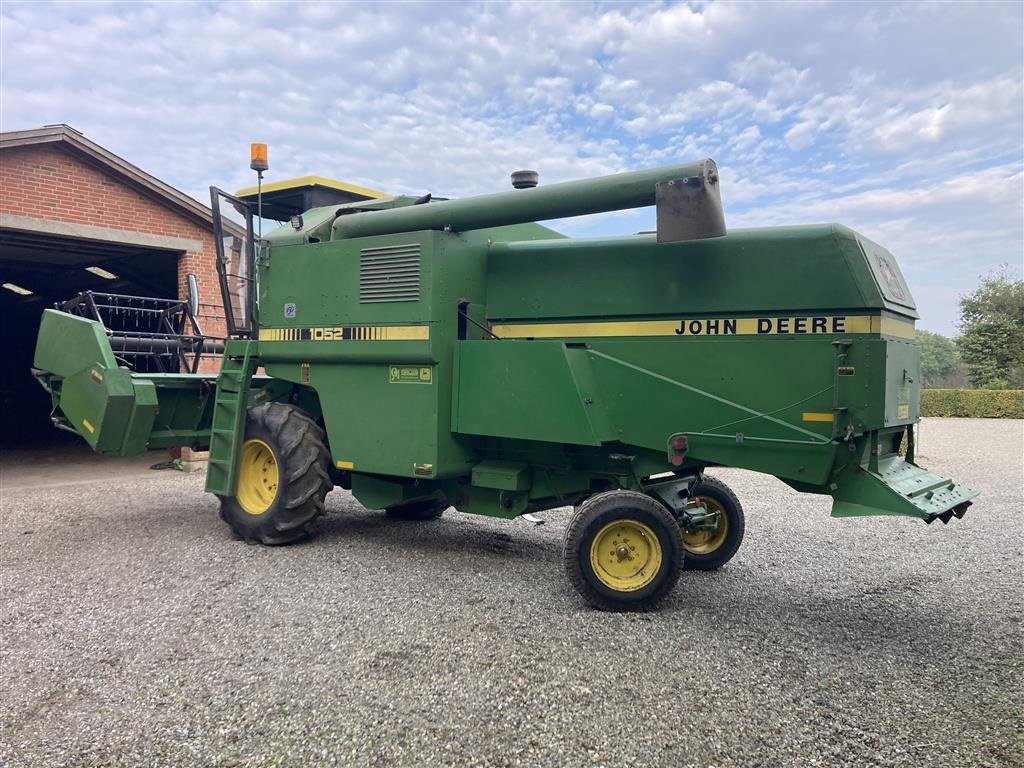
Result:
709,549
622,551
282,476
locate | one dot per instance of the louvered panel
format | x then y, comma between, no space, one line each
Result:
389,273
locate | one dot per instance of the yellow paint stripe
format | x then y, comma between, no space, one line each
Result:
87,425
811,416
345,464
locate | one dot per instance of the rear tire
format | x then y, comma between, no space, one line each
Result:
622,551
282,476
709,550
429,509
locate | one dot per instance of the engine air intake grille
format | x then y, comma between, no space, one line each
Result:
389,273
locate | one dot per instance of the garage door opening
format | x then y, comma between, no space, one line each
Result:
38,270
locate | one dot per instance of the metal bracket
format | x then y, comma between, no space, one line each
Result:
675,494
690,208
672,492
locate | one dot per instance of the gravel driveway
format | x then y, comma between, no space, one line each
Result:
137,632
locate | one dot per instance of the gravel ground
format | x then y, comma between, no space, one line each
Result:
137,632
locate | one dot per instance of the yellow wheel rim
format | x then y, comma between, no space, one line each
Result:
625,555
257,477
707,541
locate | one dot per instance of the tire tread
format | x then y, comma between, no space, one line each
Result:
576,535
302,464
737,521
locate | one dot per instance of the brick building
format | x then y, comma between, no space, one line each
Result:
68,205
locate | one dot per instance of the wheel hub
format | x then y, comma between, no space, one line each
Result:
710,534
625,555
257,477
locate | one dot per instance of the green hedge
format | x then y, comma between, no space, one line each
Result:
973,403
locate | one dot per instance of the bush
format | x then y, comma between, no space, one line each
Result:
973,403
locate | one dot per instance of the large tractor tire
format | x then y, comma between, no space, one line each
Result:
622,551
282,476
709,549
428,509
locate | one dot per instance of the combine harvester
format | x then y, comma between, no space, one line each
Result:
427,354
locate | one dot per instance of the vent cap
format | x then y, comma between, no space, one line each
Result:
525,179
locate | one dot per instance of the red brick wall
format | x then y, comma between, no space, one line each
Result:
49,182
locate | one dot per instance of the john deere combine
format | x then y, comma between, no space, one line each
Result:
427,354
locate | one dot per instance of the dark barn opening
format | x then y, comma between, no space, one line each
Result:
53,269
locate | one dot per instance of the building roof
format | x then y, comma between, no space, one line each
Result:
89,151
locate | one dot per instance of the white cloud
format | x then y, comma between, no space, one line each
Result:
904,120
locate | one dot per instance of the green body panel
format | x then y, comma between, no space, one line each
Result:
67,345
781,270
512,369
92,395
379,493
900,400
377,423
528,390
502,475
185,409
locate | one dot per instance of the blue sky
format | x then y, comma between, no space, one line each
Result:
903,121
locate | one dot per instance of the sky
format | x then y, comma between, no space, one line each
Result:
901,120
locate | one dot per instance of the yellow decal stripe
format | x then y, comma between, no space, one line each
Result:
345,464
890,326
811,416
557,330
87,425
348,333
727,326
402,332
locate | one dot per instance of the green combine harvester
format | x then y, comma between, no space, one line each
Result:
434,354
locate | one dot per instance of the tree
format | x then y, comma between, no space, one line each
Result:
939,358
992,328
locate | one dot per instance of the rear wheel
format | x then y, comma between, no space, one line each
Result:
282,476
712,543
429,509
622,551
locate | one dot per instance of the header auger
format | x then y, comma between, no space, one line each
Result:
428,354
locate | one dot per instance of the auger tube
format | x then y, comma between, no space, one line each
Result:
617,192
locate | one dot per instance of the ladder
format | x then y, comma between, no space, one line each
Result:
229,408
